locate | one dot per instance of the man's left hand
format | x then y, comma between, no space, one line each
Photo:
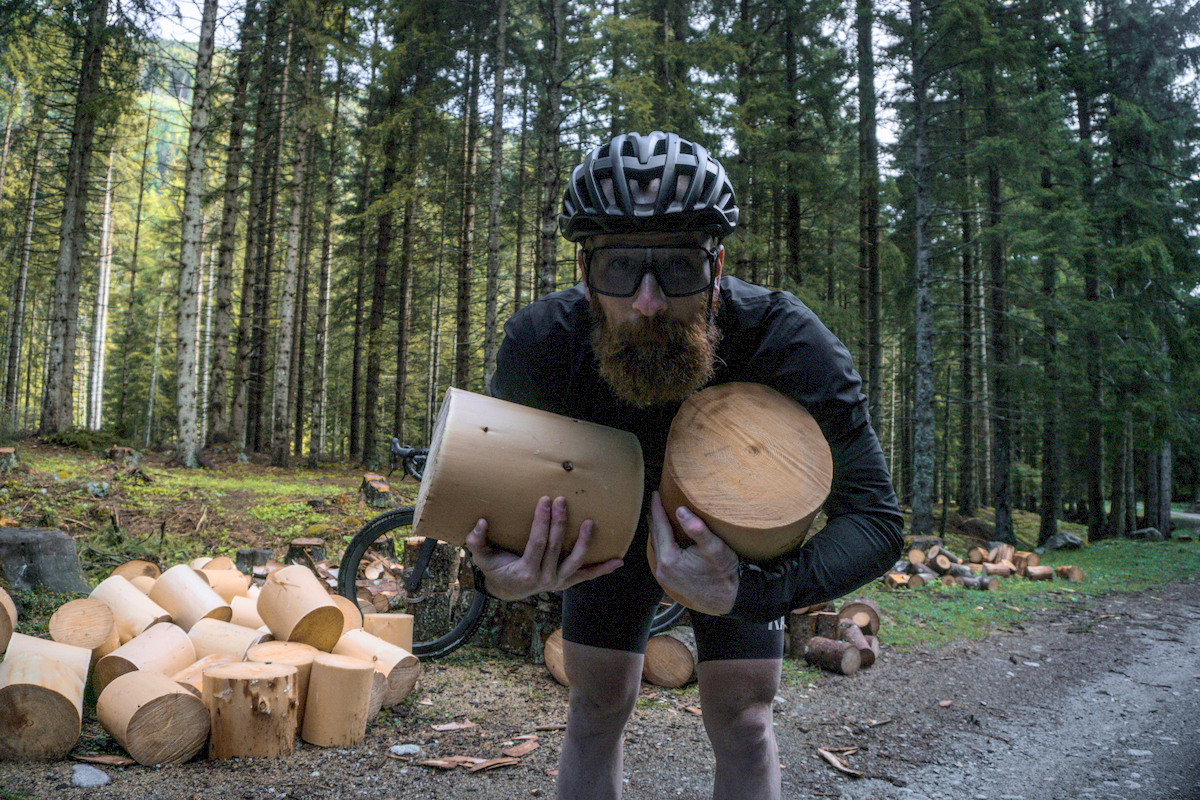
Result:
704,574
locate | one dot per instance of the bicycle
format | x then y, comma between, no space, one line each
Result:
386,536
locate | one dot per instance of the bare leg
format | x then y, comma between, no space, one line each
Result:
736,696
604,689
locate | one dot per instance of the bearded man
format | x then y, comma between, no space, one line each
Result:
654,322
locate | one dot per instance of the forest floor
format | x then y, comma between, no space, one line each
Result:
1063,696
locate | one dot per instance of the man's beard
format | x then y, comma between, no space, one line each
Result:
657,360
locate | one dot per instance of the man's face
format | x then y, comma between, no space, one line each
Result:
654,349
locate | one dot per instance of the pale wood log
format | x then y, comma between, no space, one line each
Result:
143,583
896,580
552,653
297,608
294,654
750,462
185,594
915,556
352,614
41,707
251,710
86,622
379,690
221,563
835,656
1001,552
155,719
395,629
245,612
77,659
199,563
1039,573
853,634
917,580
671,658
1069,572
401,667
339,698
134,611
8,618
1024,558
977,554
163,648
228,583
864,612
493,459
214,636
131,569
191,677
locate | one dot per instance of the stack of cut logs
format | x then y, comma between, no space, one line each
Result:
202,654
929,561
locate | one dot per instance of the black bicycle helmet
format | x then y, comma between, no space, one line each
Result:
611,192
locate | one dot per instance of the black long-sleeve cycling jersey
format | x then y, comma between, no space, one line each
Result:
768,337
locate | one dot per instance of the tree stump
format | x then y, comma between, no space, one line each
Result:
214,636
133,611
552,653
8,460
40,558
493,459
87,623
41,708
377,494
293,654
163,648
750,462
840,657
297,608
125,457
306,551
339,698
155,719
671,658
188,598
251,710
400,667
250,557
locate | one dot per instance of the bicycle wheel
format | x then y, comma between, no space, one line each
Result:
445,605
665,616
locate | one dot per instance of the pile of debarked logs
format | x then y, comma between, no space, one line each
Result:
200,655
929,561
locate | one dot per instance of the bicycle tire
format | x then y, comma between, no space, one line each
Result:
385,525
665,617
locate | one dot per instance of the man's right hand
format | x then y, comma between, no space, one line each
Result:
511,577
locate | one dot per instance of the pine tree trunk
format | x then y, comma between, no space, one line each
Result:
466,255
219,403
191,249
519,242
868,203
21,287
383,251
100,312
550,129
57,405
967,495
495,199
124,426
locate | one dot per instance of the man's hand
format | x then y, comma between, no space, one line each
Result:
704,574
511,577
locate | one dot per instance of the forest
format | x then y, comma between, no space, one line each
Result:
287,226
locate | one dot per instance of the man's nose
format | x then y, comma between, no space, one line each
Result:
649,300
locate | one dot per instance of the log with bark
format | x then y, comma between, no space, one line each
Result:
293,654
492,459
986,583
897,580
850,632
671,658
1039,573
41,707
252,710
155,719
339,697
1022,559
830,654
1069,572
864,612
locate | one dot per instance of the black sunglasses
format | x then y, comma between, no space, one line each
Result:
617,271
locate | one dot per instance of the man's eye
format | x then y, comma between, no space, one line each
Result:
678,263
621,264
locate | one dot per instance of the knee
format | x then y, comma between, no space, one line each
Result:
745,730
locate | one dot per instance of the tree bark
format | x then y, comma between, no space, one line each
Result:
21,286
549,131
868,203
100,313
466,255
495,199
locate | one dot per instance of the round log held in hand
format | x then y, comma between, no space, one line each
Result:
493,459
750,462
155,719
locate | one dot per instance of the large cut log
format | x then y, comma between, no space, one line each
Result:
977,554
897,580
228,583
134,611
864,612
1039,573
1024,558
297,608
492,459
986,583
76,659
671,658
137,567
1001,570
245,612
185,594
352,614
191,677
293,654
251,710
853,634
88,623
395,629
214,636
8,618
339,697
155,719
1069,572
552,653
399,666
163,648
40,558
750,462
835,656
1001,553
41,708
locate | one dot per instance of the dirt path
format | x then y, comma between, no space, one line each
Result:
1097,701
